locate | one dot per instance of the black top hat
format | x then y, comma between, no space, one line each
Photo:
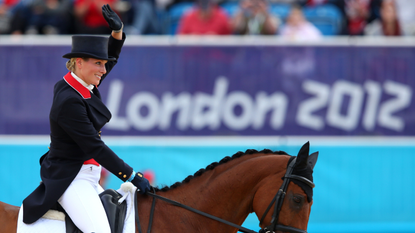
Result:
89,46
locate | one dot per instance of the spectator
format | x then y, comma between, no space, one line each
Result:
42,17
254,18
387,24
20,17
50,17
357,14
405,10
144,20
89,18
298,28
6,7
207,18
303,2
287,1
315,2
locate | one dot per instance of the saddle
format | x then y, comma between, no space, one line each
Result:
115,212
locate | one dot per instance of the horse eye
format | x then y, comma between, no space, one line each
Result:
297,199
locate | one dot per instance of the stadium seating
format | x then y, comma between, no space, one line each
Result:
174,15
230,8
280,10
327,18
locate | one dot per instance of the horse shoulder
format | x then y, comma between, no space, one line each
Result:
8,217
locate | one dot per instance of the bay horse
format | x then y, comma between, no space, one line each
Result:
275,186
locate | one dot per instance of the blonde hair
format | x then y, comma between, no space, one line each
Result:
70,64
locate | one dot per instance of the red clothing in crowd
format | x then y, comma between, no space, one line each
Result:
357,13
93,15
10,2
315,2
216,23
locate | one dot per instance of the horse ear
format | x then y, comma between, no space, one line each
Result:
312,159
302,156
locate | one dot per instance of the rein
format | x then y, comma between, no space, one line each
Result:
278,200
242,229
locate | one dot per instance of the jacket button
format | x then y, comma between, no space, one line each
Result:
120,173
125,176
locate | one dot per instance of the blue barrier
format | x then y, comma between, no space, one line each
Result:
361,186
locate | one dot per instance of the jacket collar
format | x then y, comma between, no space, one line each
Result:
90,86
77,86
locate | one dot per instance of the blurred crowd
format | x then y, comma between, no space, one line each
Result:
250,17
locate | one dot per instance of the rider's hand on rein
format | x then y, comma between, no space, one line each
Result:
141,183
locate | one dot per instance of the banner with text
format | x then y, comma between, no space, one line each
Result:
225,90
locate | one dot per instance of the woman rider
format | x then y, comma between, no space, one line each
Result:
70,170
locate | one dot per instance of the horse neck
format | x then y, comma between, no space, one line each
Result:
228,190
8,217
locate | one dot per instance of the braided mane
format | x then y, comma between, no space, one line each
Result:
215,164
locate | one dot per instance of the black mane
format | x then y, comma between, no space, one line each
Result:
215,164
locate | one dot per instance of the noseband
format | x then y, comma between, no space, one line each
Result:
279,199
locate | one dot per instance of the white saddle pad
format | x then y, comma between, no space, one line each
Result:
53,221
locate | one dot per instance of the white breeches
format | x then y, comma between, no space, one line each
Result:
82,203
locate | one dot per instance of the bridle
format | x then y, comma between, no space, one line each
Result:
279,199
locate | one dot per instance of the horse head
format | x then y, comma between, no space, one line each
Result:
273,184
286,207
